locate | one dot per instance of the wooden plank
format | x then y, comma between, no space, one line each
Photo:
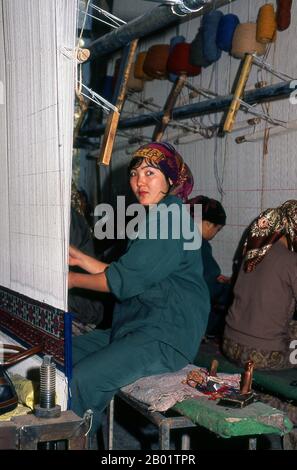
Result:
169,105
8,436
235,104
113,118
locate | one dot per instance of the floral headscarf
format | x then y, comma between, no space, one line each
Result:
267,229
170,162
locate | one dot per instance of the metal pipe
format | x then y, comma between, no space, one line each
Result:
155,20
215,105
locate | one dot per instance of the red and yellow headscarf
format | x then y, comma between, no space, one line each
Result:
170,162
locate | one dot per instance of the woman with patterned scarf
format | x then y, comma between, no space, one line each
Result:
163,305
259,324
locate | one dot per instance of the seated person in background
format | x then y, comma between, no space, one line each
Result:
213,220
85,305
259,325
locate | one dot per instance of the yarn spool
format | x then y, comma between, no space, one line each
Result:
173,41
197,57
283,14
226,29
210,23
138,68
107,91
266,24
134,84
245,42
155,64
179,61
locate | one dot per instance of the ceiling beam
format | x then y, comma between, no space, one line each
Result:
157,19
277,91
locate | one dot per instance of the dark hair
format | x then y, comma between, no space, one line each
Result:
212,210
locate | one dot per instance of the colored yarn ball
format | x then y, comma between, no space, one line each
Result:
155,64
245,42
210,23
179,61
283,14
134,84
173,41
138,69
226,29
266,24
197,57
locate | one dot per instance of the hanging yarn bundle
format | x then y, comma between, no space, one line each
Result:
197,57
138,68
266,24
134,84
156,61
226,29
179,63
173,41
210,23
283,14
245,42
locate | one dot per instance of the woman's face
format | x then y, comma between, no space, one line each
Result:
148,184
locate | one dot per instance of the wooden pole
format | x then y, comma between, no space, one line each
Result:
169,105
114,116
235,104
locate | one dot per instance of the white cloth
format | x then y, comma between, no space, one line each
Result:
160,392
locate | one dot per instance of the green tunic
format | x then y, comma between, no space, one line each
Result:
161,289
158,323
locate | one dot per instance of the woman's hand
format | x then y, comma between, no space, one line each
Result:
87,263
224,279
75,256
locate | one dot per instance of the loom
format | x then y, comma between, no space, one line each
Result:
36,158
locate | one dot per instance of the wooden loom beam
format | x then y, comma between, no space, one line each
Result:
167,110
114,116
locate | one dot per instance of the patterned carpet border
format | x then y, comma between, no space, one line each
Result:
33,322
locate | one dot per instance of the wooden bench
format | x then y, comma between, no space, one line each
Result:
251,421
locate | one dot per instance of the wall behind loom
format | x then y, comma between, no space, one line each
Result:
247,177
36,146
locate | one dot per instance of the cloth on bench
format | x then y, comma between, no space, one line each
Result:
280,383
256,418
163,391
160,392
276,388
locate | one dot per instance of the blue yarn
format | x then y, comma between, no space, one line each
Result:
107,91
175,40
226,30
210,23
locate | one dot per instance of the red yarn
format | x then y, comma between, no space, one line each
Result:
283,15
179,61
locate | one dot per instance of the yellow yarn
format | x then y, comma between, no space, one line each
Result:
266,24
245,42
134,84
138,68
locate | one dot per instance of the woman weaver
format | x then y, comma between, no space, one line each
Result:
163,305
213,220
259,324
